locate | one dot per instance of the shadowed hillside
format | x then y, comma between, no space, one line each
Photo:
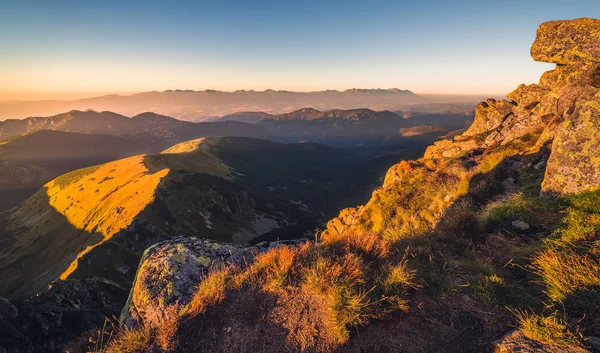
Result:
230,189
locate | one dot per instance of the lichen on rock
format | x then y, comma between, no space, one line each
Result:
563,108
567,42
574,164
170,272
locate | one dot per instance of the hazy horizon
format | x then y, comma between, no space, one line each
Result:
7,97
68,49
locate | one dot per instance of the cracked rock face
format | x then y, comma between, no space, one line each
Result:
574,164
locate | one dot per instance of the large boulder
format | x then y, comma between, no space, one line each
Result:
170,272
488,116
568,42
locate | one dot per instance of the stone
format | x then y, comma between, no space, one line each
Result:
574,163
521,226
170,272
488,116
594,343
567,42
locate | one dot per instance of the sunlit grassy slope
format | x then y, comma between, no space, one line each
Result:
80,210
98,220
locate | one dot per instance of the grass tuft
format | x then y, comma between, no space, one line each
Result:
551,329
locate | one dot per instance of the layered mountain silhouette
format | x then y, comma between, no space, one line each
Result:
78,139
37,149
194,105
147,127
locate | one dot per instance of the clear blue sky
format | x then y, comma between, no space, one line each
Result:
425,46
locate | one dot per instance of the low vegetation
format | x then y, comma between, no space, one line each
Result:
439,232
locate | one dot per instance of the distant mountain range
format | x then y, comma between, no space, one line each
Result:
160,129
35,150
355,125
202,105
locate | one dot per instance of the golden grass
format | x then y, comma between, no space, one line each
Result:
551,329
211,291
130,340
80,210
571,259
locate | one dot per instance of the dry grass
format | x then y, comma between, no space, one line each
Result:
515,207
128,340
571,260
322,290
211,291
551,329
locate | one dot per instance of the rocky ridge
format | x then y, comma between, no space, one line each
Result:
550,128
563,107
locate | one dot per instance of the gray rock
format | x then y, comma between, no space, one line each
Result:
170,272
594,343
521,226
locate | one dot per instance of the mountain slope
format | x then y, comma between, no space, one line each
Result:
35,150
29,161
49,145
232,189
335,125
246,117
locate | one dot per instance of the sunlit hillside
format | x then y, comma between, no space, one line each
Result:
232,189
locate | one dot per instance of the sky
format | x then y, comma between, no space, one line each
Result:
55,49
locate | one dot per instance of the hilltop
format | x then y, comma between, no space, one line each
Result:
35,150
360,126
487,243
72,140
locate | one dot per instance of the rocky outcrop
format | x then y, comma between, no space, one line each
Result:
574,164
567,42
170,271
564,107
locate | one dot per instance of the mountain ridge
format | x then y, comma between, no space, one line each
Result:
194,105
